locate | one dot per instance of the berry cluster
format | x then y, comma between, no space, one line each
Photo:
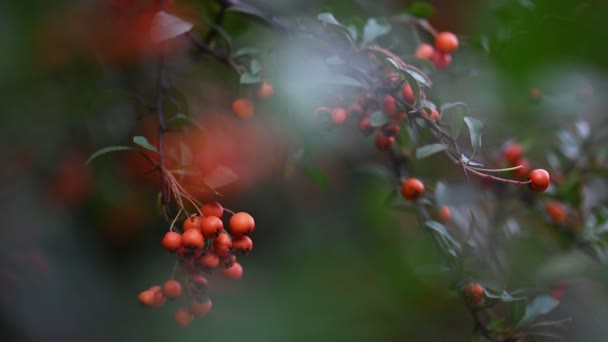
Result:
539,178
243,107
202,246
440,55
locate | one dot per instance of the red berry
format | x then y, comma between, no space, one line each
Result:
408,93
266,91
241,224
234,272
365,126
159,298
383,143
446,42
146,298
390,130
441,60
244,244
389,104
172,241
445,213
212,209
424,51
211,226
193,222
209,260
193,239
523,170
412,189
430,113
199,280
400,116
338,116
557,212
539,180
512,153
228,260
242,108
200,309
222,244
474,294
183,317
172,289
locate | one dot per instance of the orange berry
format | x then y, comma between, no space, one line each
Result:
523,170
441,60
209,260
412,189
390,130
200,309
445,213
242,108
408,93
383,143
338,116
557,212
146,297
234,272
243,244
430,113
266,91
171,241
241,224
211,226
512,153
212,209
222,244
183,317
539,180
391,79
424,51
446,42
193,222
389,104
474,294
172,289
365,126
193,239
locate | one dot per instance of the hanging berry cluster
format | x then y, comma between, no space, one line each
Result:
202,246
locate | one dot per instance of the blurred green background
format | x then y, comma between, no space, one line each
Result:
331,262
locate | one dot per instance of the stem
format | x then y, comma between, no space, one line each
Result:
162,128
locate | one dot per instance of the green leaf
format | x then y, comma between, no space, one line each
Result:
108,149
378,119
166,26
421,9
343,80
540,305
246,51
420,77
256,67
185,118
247,78
374,29
428,150
441,230
475,127
143,142
456,112
328,18
315,175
